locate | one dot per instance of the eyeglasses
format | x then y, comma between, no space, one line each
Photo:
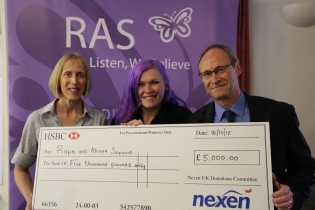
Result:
218,71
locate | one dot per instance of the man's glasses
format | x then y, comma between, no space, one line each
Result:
218,71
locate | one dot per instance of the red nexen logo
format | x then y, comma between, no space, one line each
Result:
74,135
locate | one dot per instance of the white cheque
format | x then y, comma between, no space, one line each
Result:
162,167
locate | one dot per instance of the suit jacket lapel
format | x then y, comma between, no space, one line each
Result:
258,111
208,114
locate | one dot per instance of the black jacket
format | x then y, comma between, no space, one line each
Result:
291,158
168,114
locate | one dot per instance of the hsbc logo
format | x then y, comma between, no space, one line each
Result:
55,136
74,135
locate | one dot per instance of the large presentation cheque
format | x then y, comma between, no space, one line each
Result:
155,167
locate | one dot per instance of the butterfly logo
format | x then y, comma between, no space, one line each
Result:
168,26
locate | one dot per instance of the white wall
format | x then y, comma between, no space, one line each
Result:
283,61
4,189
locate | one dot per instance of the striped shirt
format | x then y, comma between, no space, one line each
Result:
25,154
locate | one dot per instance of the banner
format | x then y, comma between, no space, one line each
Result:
112,36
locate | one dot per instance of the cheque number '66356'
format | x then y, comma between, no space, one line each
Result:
49,203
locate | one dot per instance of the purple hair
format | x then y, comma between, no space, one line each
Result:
131,101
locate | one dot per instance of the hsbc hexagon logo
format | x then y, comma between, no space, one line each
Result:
74,135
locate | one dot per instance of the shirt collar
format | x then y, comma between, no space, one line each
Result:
48,108
238,108
51,108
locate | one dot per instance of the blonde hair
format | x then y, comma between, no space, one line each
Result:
54,80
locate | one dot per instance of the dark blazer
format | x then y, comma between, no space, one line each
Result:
169,114
291,158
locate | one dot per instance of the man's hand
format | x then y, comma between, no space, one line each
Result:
282,197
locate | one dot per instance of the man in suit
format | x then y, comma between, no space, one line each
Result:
292,164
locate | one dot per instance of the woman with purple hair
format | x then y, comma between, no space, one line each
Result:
149,99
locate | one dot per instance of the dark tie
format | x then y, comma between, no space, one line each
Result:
228,114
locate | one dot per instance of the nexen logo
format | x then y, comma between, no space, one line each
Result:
230,199
55,136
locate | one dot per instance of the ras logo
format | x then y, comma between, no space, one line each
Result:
74,135
231,199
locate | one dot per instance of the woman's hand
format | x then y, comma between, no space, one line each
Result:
133,123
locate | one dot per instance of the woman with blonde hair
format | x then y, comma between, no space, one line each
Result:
70,82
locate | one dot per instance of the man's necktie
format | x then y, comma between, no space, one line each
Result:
229,115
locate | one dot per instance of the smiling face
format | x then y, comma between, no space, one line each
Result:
224,88
151,88
72,80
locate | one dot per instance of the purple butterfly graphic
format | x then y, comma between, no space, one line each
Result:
168,26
